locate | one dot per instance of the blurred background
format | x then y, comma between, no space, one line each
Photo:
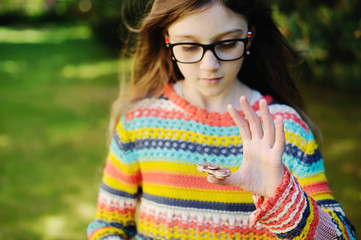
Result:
59,72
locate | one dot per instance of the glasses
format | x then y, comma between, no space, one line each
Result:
226,50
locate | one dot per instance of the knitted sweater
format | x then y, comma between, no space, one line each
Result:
151,170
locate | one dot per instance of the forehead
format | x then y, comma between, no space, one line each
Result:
208,23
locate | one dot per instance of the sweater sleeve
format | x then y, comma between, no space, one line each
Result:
117,199
303,206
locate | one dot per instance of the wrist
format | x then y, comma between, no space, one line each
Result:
264,206
275,181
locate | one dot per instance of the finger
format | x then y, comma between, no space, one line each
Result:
254,122
269,127
279,145
228,181
240,122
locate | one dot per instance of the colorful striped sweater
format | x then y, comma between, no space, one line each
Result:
151,170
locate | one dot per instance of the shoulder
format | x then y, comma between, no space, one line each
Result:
289,114
297,132
150,107
300,140
291,117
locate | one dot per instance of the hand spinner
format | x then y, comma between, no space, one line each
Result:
214,170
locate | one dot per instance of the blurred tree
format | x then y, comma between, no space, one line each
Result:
112,20
20,12
50,5
327,32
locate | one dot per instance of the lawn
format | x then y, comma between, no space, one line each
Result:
56,88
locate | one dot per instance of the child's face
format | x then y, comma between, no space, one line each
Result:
210,76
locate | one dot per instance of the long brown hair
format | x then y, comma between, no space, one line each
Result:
265,69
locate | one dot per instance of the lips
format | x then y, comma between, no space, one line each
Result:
211,81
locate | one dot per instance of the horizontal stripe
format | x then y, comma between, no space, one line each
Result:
300,169
163,144
121,216
182,135
304,157
216,140
322,196
197,194
124,175
314,178
131,168
328,203
184,181
123,156
163,123
200,148
117,192
236,234
192,159
117,184
183,168
317,188
198,204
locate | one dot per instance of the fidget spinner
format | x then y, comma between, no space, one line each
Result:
213,170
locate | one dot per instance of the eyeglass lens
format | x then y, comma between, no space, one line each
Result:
229,50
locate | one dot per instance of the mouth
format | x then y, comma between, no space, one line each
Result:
211,81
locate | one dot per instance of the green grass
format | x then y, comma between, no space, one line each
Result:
56,88
55,99
338,115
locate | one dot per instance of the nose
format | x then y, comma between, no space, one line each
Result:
209,62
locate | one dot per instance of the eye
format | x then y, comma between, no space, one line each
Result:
227,45
190,48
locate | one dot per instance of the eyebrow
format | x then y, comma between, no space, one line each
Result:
236,30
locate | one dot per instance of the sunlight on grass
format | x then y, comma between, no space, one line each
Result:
90,71
4,141
54,226
60,226
11,67
85,210
44,35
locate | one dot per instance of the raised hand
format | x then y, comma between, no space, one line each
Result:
261,170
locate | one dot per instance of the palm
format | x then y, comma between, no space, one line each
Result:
261,169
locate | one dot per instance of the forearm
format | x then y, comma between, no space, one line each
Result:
292,214
115,215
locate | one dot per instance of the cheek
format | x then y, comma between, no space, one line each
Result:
234,67
188,70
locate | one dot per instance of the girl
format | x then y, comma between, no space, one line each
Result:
209,80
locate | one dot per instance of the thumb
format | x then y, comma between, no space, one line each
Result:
232,180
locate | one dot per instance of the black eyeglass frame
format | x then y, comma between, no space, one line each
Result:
211,47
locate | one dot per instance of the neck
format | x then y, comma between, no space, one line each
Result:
216,103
